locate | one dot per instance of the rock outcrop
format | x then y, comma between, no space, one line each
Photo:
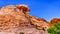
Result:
17,20
54,20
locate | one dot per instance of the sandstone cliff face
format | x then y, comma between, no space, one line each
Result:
16,19
39,22
11,17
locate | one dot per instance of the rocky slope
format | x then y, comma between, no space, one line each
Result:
17,20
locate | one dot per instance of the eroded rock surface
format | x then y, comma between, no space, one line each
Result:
16,19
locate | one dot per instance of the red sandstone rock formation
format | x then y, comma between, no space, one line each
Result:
54,20
39,22
11,17
16,19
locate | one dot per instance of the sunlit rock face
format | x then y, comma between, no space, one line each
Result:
17,20
54,20
11,17
40,23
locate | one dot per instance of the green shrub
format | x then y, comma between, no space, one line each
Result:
55,29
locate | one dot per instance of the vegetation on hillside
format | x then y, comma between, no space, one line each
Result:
55,29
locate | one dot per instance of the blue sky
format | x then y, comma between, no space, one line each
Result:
46,9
